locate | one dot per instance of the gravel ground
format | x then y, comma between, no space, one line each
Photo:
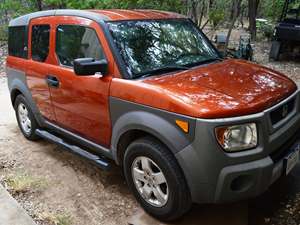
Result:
3,53
56,187
289,65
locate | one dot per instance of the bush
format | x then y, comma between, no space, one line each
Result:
3,32
266,29
215,17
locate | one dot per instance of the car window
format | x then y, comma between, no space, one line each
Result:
73,42
17,41
40,42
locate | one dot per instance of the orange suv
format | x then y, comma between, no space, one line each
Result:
147,90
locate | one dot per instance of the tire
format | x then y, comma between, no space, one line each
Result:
178,199
28,131
275,50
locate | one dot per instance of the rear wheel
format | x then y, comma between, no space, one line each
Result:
275,50
25,118
152,173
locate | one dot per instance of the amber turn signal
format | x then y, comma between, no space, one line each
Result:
183,125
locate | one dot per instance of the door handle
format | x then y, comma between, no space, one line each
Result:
52,81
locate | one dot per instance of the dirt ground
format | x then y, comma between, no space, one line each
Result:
56,187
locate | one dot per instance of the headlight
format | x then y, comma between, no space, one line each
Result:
237,137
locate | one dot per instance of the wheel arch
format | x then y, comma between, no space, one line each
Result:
136,124
18,87
13,95
126,139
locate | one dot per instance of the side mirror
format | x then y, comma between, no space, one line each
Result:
90,66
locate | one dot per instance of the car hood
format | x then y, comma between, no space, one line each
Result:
225,89
229,88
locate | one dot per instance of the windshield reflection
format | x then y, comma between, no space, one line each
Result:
150,47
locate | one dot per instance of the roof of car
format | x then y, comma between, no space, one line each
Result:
98,15
136,14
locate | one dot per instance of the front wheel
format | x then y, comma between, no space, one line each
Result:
152,173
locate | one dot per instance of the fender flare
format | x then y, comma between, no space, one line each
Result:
165,131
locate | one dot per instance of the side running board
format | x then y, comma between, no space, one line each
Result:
95,159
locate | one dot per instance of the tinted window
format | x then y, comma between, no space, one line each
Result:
151,45
74,42
40,42
17,41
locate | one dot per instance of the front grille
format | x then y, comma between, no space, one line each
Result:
282,112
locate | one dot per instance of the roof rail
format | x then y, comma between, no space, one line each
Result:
25,20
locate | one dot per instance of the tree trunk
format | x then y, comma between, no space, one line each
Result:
235,13
209,6
6,17
253,6
39,5
194,10
186,10
201,13
242,16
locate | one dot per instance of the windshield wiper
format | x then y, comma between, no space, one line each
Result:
165,69
204,62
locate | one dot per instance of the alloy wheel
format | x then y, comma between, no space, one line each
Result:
24,118
150,181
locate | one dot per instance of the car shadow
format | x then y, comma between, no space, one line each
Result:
276,197
225,214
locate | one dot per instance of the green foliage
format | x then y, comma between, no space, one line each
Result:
266,30
64,219
216,11
23,182
216,16
271,9
3,32
221,8
56,218
15,8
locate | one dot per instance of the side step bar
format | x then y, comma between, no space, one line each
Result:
95,159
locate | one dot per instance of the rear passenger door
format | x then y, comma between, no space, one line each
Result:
80,102
38,66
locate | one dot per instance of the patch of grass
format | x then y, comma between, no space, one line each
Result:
60,218
21,182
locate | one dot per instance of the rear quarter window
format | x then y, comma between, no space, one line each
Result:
17,41
40,37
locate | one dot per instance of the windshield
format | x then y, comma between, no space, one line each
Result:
150,47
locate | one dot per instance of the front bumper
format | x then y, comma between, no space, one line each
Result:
216,176
250,179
